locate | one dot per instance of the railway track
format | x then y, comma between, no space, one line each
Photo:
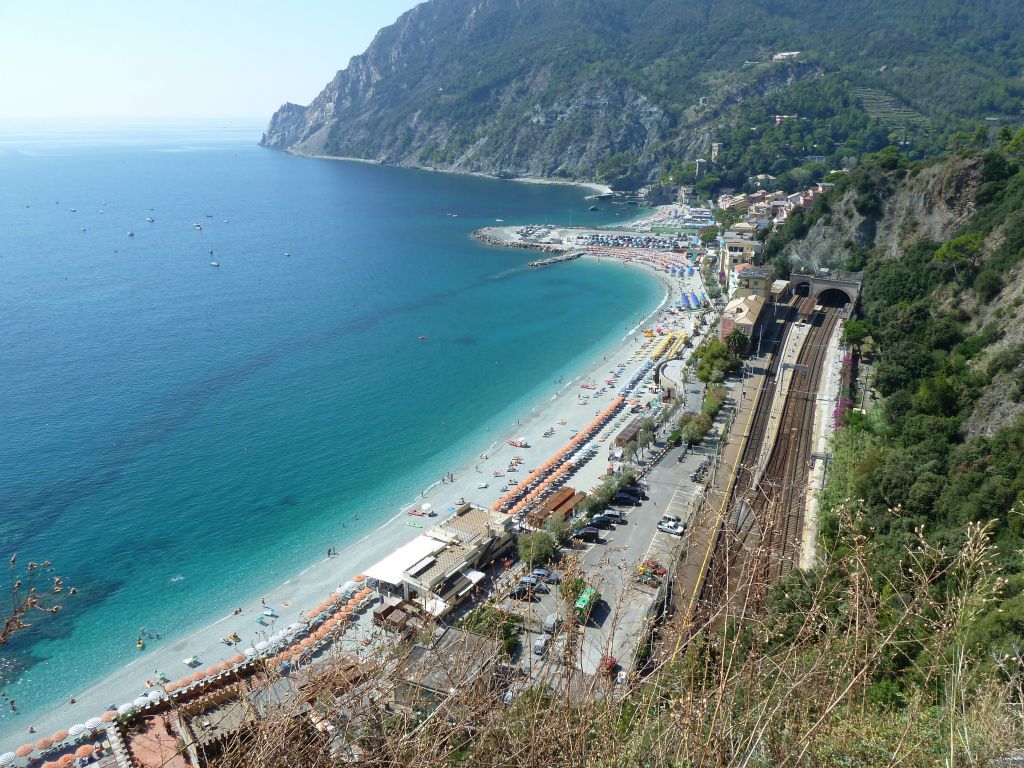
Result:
757,541
779,496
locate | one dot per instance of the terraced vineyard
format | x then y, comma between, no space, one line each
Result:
886,109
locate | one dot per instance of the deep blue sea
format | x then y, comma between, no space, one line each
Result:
161,419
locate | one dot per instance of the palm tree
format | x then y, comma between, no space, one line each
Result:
736,341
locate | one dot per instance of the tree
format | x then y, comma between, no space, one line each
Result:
736,341
536,548
855,331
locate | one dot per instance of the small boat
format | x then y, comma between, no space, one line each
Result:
214,263
481,485
287,254
211,251
73,210
83,229
209,215
196,225
421,338
131,234
226,221
150,219
498,473
500,221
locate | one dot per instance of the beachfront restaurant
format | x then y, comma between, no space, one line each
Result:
438,570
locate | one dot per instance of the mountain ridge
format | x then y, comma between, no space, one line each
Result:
616,91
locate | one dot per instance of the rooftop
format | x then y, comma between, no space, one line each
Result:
746,309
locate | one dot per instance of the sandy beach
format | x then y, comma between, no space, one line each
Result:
568,407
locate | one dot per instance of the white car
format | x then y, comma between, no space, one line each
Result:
673,528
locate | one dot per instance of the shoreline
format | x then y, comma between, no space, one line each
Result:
301,589
594,186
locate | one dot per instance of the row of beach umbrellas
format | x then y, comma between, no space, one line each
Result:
541,479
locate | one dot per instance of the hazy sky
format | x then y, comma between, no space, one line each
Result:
178,58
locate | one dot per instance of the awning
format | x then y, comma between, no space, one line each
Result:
435,606
390,569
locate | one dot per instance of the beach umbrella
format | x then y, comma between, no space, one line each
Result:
85,750
111,715
213,671
59,736
77,730
250,652
50,764
185,682
44,744
225,665
197,676
359,578
124,709
333,598
305,643
157,694
237,658
65,760
140,702
8,758
296,649
25,750
171,687
262,645
93,723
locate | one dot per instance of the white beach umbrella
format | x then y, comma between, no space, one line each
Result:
8,758
124,709
77,730
262,645
93,723
349,585
141,701
293,628
250,652
156,695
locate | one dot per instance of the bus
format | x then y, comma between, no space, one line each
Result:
585,604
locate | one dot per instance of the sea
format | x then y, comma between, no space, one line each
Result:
176,437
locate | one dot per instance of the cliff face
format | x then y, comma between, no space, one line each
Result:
560,87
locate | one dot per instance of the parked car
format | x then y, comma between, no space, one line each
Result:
540,644
674,528
547,576
589,534
600,521
552,622
625,500
521,592
615,515
534,583
672,519
635,491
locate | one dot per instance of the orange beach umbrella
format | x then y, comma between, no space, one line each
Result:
44,744
110,715
85,750
213,671
25,750
65,760
59,736
238,658
197,676
225,665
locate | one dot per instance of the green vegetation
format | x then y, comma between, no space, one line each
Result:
714,360
491,621
907,465
884,73
537,548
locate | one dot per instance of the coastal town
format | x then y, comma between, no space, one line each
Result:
577,548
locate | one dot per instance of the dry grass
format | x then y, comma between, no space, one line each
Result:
791,687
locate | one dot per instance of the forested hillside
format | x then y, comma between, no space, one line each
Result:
938,456
627,91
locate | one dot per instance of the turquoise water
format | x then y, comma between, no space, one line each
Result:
177,436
